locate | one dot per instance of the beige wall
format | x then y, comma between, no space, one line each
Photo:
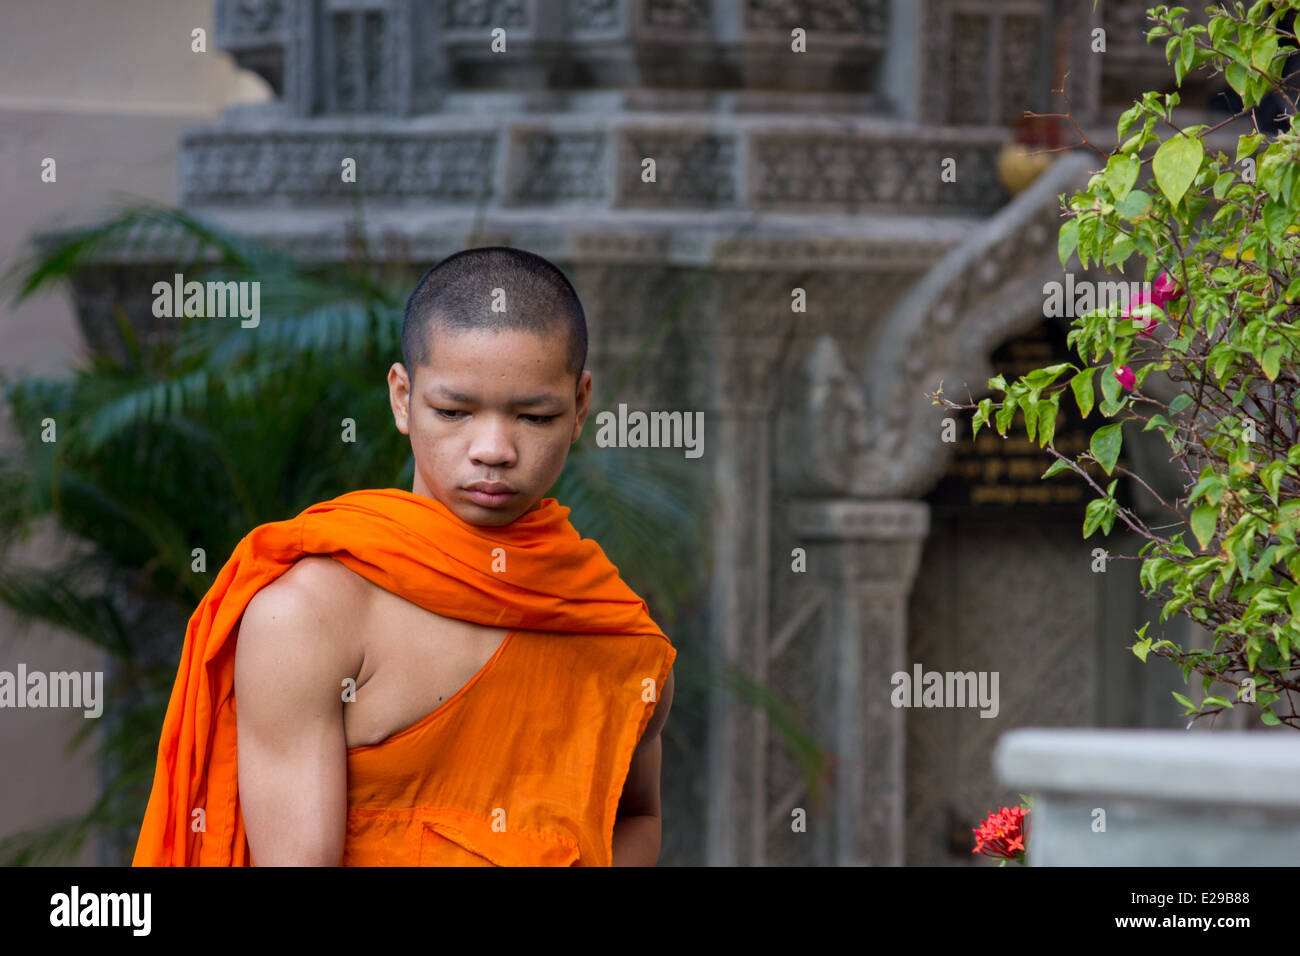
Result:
104,87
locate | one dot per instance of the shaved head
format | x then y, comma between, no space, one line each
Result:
494,288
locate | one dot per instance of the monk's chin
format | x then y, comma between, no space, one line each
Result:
489,516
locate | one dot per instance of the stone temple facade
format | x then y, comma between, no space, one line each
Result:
798,151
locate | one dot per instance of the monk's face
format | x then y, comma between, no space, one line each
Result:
493,407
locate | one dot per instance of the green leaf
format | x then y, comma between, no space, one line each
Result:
1081,384
1005,414
1271,476
1236,75
1127,119
1094,515
1105,445
1141,648
1247,144
1121,174
1042,377
1269,718
1119,251
1205,519
1262,56
1048,410
1060,465
1219,27
1109,391
1066,241
1277,216
1186,51
981,416
1175,166
1135,204
1181,401
1272,361
1191,708
1224,183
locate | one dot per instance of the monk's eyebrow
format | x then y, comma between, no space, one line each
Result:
521,401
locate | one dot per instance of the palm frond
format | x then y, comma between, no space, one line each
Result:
44,595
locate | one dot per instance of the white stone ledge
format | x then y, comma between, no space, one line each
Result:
1260,768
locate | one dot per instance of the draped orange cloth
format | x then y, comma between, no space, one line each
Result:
431,794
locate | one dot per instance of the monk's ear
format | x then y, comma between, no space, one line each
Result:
582,403
399,396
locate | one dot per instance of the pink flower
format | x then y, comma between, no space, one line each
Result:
1149,323
1126,377
1165,290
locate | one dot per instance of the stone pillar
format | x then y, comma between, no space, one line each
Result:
738,603
746,350
866,554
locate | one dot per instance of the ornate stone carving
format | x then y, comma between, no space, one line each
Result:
821,425
854,171
251,168
788,169
951,321
595,14
987,61
242,18
676,14
356,63
837,16
558,166
484,14
691,169
254,33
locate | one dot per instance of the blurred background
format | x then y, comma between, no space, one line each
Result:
797,216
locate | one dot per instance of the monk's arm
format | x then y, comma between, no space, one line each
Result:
637,823
292,749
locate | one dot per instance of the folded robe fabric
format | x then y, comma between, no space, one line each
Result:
406,543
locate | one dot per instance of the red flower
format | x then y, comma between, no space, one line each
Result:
1148,323
1165,290
1002,836
1126,377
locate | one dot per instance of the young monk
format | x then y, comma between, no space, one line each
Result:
446,676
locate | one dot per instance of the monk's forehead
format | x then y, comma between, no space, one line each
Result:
524,354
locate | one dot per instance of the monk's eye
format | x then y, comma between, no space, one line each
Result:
541,419
448,414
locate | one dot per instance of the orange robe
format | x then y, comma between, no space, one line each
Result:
524,765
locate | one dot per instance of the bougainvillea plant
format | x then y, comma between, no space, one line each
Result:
1219,239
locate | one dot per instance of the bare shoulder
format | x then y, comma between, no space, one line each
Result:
321,579
315,587
660,715
314,607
